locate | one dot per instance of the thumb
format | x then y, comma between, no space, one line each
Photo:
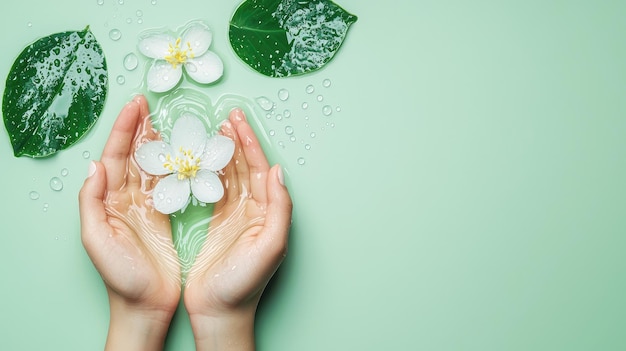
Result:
91,201
278,218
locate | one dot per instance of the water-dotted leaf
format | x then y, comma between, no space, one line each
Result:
280,38
54,93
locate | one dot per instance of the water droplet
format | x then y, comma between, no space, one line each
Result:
338,109
309,89
268,116
153,2
115,34
320,98
301,161
272,132
100,2
56,184
131,61
139,13
281,144
283,94
265,103
326,83
332,125
279,117
140,21
162,157
313,135
45,207
86,154
30,24
129,20
287,113
191,67
327,110
65,172
289,130
121,2
120,79
292,138
161,196
305,105
33,195
307,146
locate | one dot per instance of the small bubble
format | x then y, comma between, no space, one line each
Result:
272,132
281,144
139,13
283,94
326,83
307,146
305,105
131,61
120,79
292,138
129,20
327,110
313,135
289,130
33,195
301,161
265,103
65,172
320,98
279,117
268,116
140,21
338,109
309,89
115,34
100,2
30,24
56,184
45,207
287,113
153,2
121,2
86,154
191,67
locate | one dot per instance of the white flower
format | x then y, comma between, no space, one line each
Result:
172,54
191,159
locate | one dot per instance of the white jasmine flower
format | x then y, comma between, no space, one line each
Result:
191,51
191,161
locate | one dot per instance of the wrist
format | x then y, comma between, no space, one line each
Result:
135,327
224,331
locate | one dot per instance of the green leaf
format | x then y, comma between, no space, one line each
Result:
280,38
54,93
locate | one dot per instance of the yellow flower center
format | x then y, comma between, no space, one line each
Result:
178,56
186,166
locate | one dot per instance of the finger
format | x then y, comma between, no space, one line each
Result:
275,234
117,149
93,217
144,133
255,157
230,176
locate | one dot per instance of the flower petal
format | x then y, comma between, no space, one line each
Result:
199,38
205,69
188,133
207,187
151,156
171,194
218,151
162,76
156,46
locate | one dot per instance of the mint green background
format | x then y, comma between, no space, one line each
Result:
470,195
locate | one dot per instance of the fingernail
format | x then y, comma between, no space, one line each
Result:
281,176
92,169
238,114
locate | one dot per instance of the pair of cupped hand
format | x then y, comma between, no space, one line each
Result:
130,243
